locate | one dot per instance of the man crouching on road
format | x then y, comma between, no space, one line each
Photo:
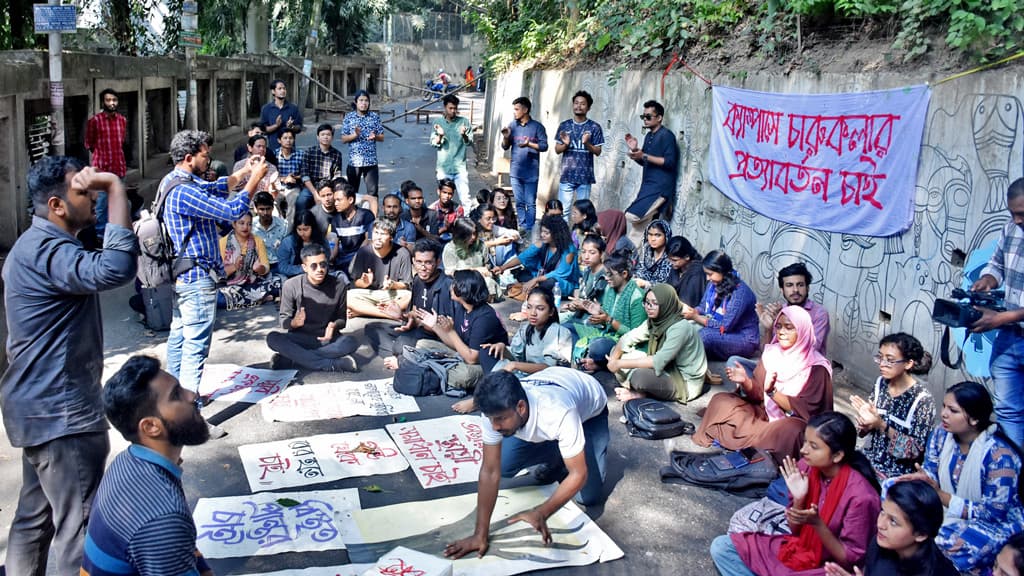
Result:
556,420
141,522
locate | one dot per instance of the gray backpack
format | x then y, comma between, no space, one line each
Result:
425,373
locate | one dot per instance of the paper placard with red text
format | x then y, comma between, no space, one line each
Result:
441,451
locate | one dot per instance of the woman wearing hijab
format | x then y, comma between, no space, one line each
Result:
791,384
652,265
613,226
662,358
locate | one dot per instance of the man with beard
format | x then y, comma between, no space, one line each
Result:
579,140
422,218
350,223
193,211
555,420
50,393
313,311
405,232
105,134
795,281
141,521
431,294
279,115
381,273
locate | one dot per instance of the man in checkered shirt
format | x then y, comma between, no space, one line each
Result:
104,137
1006,270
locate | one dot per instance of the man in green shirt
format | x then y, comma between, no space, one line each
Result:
450,136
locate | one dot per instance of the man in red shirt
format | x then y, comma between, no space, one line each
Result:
104,137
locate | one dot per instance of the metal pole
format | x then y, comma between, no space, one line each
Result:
307,64
56,48
192,93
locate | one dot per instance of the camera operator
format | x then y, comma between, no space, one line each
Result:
1006,268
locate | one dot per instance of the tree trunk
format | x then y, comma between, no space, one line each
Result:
121,26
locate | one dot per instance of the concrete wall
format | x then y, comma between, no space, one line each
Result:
411,64
972,148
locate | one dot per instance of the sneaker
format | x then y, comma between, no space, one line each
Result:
216,432
546,474
344,364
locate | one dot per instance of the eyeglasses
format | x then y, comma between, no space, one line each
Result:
885,361
647,116
650,303
316,265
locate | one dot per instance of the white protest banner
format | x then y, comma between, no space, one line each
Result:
835,162
442,451
316,459
233,383
338,400
271,523
345,570
513,548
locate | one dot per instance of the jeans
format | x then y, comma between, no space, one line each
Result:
727,558
517,454
526,202
1007,367
309,352
192,318
101,215
570,193
59,480
461,179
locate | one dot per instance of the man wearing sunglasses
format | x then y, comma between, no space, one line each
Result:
659,157
313,313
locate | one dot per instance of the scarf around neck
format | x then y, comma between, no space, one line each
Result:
804,550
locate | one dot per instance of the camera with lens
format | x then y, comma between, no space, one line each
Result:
960,312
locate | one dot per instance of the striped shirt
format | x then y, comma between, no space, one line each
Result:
201,205
1007,265
104,137
140,521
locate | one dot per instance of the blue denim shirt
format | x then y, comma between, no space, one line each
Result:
55,332
525,163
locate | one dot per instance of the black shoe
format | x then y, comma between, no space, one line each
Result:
278,362
344,364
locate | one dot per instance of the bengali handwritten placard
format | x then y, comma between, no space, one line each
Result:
513,548
233,383
272,523
442,451
317,459
344,570
338,400
835,162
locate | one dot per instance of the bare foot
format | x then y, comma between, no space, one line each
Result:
391,362
624,394
464,406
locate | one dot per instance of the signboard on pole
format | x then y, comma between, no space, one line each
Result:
190,39
55,18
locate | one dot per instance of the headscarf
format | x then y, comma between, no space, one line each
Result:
613,224
790,369
668,314
648,267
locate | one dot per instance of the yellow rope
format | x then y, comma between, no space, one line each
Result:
979,68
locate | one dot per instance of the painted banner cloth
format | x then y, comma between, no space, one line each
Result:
442,451
272,522
514,548
338,400
343,570
317,459
835,162
233,383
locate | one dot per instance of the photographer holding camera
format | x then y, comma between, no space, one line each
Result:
1006,268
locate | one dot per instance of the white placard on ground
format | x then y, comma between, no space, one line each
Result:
338,400
442,451
234,383
514,549
402,560
315,459
346,570
273,522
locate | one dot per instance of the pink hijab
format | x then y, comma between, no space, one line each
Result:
613,226
791,368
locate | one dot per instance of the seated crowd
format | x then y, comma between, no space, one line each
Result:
912,498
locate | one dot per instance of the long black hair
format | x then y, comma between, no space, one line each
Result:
719,261
923,511
561,239
509,213
589,224
549,299
306,218
839,434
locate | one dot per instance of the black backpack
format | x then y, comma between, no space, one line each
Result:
651,419
719,471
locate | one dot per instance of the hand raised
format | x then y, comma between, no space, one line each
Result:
796,480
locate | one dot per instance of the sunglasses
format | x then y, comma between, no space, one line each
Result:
317,265
647,116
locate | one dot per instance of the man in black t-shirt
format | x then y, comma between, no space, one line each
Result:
381,273
431,293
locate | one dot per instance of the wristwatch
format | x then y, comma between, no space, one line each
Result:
645,158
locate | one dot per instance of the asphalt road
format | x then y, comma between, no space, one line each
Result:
662,528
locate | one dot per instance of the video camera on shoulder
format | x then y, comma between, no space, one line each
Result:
960,312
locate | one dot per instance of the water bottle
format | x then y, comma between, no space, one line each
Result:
558,296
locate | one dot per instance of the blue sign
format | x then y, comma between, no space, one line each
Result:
55,18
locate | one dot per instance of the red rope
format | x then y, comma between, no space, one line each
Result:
675,59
